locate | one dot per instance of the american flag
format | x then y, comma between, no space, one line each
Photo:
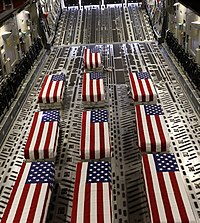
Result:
151,129
166,195
142,87
43,137
31,193
92,193
93,87
95,142
92,60
52,89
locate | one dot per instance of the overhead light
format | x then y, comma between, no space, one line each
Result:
26,12
177,3
196,22
6,34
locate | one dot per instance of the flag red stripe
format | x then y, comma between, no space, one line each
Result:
84,88
83,134
90,62
48,92
149,90
151,133
91,90
140,129
165,197
161,133
76,193
42,90
14,191
87,206
34,202
135,96
56,91
100,218
38,140
85,57
142,90
102,140
153,204
47,140
92,141
98,90
96,60
179,200
28,143
45,205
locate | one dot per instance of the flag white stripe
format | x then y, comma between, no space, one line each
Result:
106,202
102,90
93,60
81,194
44,93
88,58
88,86
97,141
18,194
171,197
156,186
52,89
99,59
145,128
95,90
27,204
156,133
87,133
106,140
93,203
54,138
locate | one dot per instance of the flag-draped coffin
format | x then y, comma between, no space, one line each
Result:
92,193
30,197
93,87
151,130
92,60
95,141
43,136
142,87
166,195
52,89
